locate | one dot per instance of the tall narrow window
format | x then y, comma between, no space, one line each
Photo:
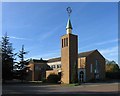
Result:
91,68
96,66
62,43
66,41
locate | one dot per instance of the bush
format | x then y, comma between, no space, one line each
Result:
53,78
44,80
113,75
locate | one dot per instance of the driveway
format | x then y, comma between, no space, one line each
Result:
87,88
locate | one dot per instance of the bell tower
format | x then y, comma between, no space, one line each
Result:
69,54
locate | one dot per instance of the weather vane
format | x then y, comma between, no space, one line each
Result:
69,10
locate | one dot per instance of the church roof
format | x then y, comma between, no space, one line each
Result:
69,25
54,59
85,54
38,60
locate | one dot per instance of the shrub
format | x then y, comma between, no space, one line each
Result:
53,78
113,75
44,80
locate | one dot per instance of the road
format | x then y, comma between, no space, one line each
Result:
87,88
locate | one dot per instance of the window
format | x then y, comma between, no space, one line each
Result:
91,68
96,66
59,66
62,43
66,41
53,66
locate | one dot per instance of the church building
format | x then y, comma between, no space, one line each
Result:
74,67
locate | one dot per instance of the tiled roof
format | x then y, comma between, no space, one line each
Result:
85,54
54,59
39,61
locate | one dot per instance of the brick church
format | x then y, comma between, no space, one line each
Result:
74,66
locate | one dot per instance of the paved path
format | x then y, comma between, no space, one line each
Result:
88,88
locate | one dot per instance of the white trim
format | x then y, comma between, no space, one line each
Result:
54,63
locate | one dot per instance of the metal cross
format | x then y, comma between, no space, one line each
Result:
69,10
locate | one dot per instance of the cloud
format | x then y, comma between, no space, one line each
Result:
100,43
12,37
48,34
106,42
110,53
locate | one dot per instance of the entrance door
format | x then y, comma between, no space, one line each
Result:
81,76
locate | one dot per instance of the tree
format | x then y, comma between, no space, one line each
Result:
22,68
21,54
7,58
112,70
112,66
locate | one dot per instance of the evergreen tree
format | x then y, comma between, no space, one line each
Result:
22,64
21,54
7,58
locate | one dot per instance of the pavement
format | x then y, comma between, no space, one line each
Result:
86,88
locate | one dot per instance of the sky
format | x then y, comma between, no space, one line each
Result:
39,27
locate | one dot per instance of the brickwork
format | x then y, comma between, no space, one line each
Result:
69,57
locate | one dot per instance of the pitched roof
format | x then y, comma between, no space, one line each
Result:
85,54
54,59
38,60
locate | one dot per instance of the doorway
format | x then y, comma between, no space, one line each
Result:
81,76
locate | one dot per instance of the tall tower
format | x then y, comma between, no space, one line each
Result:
69,54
